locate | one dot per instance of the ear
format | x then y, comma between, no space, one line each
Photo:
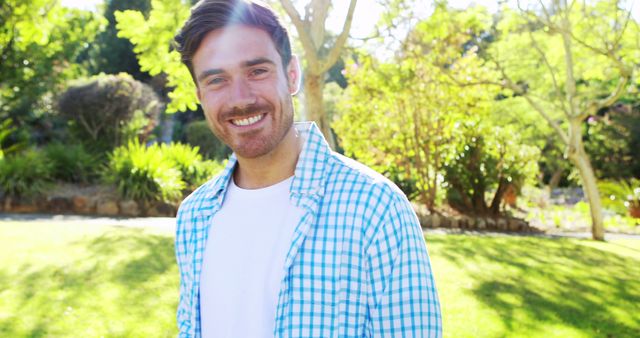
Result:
293,75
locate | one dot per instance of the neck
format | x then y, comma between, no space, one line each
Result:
271,168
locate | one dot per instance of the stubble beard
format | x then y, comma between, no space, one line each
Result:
259,145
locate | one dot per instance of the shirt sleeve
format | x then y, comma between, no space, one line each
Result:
404,300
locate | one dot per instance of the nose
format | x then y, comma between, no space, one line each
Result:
241,95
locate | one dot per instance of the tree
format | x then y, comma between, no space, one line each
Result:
319,57
401,117
109,110
487,159
152,38
612,139
111,54
568,61
39,44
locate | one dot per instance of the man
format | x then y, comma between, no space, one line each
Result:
291,239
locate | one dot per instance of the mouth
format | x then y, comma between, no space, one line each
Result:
248,121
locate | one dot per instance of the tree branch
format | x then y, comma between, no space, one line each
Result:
561,133
317,20
548,65
305,38
611,99
570,85
334,54
536,105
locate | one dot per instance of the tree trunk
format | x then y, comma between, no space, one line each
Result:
579,158
314,107
555,178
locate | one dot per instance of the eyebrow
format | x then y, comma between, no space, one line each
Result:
250,63
257,61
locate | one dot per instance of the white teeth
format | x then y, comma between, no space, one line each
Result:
248,121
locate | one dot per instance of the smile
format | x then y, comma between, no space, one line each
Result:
248,121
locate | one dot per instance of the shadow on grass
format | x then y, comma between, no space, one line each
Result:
546,281
157,255
116,282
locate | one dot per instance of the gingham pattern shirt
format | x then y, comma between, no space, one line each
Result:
357,265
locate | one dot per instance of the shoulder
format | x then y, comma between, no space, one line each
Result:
368,200
359,178
199,200
198,196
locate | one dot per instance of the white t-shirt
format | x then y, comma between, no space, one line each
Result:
244,259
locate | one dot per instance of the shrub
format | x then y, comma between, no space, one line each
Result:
199,135
187,159
620,196
143,173
488,159
25,175
206,169
109,110
72,163
7,129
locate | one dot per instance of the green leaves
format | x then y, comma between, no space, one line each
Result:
401,117
140,173
40,42
157,172
153,38
25,175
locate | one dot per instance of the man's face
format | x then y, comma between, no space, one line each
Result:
244,90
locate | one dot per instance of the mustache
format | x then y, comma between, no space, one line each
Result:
250,110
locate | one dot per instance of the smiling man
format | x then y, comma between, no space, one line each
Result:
291,239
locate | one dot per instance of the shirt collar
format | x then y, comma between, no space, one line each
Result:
310,170
311,167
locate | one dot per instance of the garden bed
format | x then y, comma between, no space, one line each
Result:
87,200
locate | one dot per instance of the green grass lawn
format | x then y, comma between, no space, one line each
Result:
71,280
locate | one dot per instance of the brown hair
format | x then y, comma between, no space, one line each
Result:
209,15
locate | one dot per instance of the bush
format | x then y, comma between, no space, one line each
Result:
110,110
7,129
488,159
193,169
620,196
25,175
158,172
199,135
613,142
142,173
72,163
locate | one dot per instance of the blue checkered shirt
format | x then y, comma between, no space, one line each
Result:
357,265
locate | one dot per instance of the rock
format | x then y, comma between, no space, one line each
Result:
455,223
516,224
129,208
161,209
471,223
107,207
501,224
481,223
82,204
435,221
491,223
58,204
426,221
24,208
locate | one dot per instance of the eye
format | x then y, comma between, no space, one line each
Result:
259,72
215,81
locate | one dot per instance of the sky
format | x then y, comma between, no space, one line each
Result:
366,14
365,17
